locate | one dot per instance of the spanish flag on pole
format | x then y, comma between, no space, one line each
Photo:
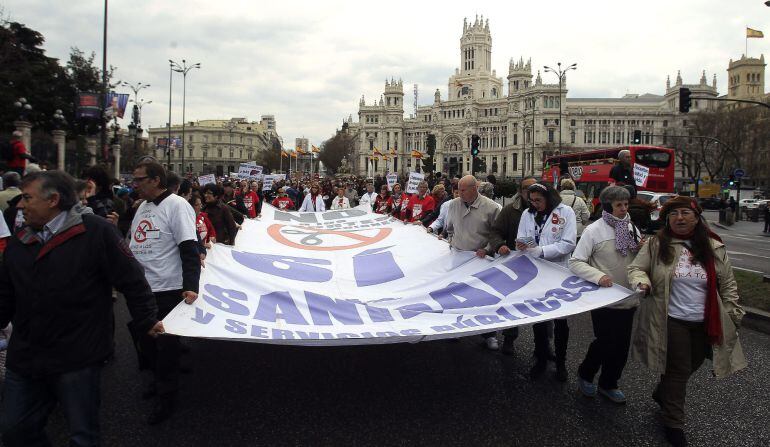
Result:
393,152
294,154
753,33
315,149
376,151
284,153
416,154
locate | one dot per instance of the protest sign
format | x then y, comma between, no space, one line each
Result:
641,173
267,182
354,277
414,179
206,179
392,179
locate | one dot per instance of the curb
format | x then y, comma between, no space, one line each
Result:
757,319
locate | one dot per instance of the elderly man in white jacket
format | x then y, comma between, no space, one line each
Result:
547,230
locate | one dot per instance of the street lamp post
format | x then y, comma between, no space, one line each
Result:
184,69
135,128
171,66
560,73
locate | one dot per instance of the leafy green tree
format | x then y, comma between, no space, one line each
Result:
333,149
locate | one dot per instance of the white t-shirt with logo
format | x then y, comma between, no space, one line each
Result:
156,232
688,289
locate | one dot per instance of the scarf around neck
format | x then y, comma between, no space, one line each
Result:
624,239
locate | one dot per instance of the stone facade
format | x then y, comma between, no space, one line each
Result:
214,146
517,129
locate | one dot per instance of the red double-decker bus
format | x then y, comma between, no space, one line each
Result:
591,170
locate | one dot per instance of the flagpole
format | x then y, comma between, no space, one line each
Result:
280,162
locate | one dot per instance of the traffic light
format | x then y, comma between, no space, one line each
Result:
731,181
431,144
684,100
475,139
637,137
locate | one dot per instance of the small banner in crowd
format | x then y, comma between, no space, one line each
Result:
391,179
206,179
354,277
267,182
641,173
414,179
249,171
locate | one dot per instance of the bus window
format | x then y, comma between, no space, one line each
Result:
653,159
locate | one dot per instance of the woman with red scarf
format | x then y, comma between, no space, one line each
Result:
396,201
250,199
313,202
203,225
690,310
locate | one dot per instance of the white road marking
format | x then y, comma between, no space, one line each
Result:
740,253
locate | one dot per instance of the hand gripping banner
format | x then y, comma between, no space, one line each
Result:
354,277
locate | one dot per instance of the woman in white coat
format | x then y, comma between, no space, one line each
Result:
548,230
313,202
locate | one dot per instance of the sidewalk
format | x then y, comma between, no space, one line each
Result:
741,226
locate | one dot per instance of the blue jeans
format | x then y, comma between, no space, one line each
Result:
27,402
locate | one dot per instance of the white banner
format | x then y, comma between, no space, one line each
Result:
206,179
353,277
391,179
641,172
414,179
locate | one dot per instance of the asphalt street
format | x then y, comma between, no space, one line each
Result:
747,246
435,393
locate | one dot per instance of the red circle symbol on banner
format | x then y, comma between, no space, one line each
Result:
312,239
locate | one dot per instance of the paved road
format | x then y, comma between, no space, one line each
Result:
436,393
747,245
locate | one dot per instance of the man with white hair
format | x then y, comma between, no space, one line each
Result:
469,222
622,172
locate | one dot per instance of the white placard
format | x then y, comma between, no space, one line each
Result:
350,276
391,179
267,182
414,179
206,179
641,173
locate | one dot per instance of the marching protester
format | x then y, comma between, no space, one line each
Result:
397,201
420,204
439,198
250,198
382,201
622,173
17,162
578,205
56,285
469,222
503,239
547,230
206,232
219,214
602,256
691,310
369,197
234,202
313,202
11,182
352,195
164,241
438,226
340,202
282,201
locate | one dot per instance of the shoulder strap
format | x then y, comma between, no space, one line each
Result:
574,199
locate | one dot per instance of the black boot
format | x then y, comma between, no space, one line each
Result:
162,410
538,368
675,436
507,348
561,370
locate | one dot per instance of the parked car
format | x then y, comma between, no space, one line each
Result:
657,199
709,203
749,203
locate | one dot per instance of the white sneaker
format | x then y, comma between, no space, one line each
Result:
492,344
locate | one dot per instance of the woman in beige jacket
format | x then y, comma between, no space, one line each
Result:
691,311
602,256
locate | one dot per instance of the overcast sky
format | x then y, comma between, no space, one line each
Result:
309,62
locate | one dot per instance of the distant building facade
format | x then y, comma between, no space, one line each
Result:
518,127
213,146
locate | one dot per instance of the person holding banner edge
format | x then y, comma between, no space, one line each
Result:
548,230
602,256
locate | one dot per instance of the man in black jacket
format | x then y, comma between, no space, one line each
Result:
164,240
56,285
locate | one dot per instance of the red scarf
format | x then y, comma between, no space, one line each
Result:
711,318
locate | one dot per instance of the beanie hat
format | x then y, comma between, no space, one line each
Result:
680,202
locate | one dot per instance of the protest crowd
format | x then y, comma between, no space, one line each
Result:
69,243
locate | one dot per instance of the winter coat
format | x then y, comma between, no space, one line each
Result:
650,339
578,205
557,237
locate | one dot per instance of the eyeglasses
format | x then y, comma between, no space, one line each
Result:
139,179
